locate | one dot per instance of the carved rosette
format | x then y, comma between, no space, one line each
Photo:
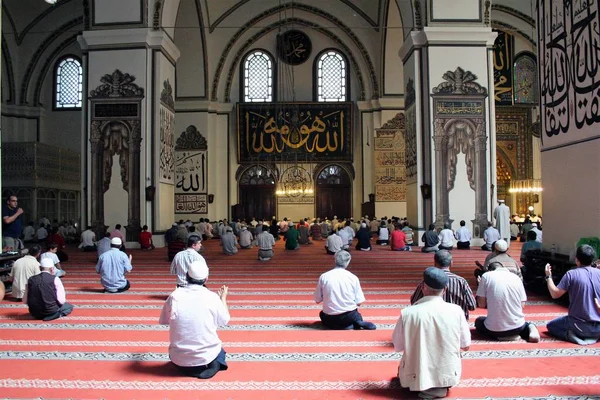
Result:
459,82
190,139
117,84
166,95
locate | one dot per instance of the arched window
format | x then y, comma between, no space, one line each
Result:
332,76
69,83
257,175
258,77
526,82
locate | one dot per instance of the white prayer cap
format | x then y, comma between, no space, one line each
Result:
501,246
363,225
198,270
500,201
116,241
46,263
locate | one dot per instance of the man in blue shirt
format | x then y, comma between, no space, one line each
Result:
12,223
112,266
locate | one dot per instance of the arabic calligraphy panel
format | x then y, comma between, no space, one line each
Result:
167,145
411,145
278,131
190,203
390,166
191,171
503,64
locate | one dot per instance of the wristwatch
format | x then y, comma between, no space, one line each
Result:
547,277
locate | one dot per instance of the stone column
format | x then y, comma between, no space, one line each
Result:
97,187
133,221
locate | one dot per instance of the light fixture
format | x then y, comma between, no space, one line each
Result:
526,186
51,1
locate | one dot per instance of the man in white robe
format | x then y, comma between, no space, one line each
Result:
502,216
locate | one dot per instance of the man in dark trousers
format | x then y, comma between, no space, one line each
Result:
45,294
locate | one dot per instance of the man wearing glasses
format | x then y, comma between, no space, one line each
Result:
12,223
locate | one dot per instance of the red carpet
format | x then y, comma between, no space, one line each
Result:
111,347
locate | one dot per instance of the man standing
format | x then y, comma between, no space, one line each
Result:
112,267
265,242
45,294
457,291
185,258
12,223
23,269
502,216
193,314
463,237
582,324
503,294
490,236
340,292
424,368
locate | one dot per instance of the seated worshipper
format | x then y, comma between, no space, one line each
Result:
29,234
118,234
431,239
526,227
490,236
182,233
291,237
185,258
325,228
23,269
192,232
347,228
374,226
51,254
284,226
514,230
274,229
446,237
383,236
334,243
104,244
398,239
245,238
363,235
45,294
431,333
41,234
112,267
57,239
500,255
145,239
229,242
346,236
175,246
193,314
503,294
265,242
582,323
463,237
171,233
457,292
303,233
315,230
408,232
538,232
340,292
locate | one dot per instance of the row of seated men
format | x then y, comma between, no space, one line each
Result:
435,324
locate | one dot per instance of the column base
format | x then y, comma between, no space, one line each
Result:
479,225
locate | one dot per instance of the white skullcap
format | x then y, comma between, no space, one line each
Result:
46,263
501,246
116,241
198,270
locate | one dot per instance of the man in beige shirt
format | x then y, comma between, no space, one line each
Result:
23,269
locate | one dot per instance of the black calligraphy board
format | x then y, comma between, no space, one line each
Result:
503,67
294,131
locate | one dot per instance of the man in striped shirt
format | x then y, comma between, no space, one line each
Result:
457,292
185,258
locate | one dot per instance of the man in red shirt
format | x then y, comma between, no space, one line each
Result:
398,239
146,239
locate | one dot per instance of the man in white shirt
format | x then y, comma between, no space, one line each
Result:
41,234
193,314
28,234
537,232
463,237
88,237
426,368
490,235
340,292
446,237
185,258
503,294
51,254
334,243
23,269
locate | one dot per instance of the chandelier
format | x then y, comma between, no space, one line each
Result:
526,186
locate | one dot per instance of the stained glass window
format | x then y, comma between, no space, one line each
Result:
258,77
257,175
526,82
333,175
331,77
69,79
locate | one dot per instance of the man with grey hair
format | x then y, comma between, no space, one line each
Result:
457,292
431,370
340,292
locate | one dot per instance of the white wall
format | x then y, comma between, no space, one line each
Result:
462,197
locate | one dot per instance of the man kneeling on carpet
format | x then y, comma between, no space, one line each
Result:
112,267
193,314
426,368
45,294
340,292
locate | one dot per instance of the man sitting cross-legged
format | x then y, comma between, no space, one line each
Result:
265,242
582,324
503,294
112,267
431,333
193,314
457,292
334,243
340,292
45,294
185,258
